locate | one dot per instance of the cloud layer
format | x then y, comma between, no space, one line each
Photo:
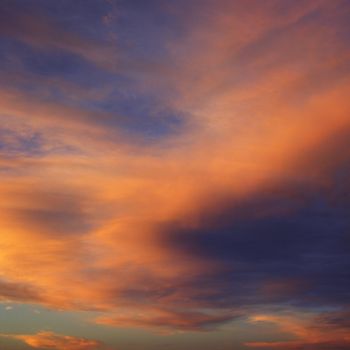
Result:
183,183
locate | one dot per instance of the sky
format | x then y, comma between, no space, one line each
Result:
174,174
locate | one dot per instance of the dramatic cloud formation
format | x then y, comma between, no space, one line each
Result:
177,167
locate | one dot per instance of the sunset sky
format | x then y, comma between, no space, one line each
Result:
175,174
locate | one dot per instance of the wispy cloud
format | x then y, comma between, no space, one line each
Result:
50,340
328,331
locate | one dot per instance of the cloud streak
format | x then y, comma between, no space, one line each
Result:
50,340
325,332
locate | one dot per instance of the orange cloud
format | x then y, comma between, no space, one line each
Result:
310,333
50,340
82,222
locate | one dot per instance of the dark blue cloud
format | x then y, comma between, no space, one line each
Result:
66,52
288,243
